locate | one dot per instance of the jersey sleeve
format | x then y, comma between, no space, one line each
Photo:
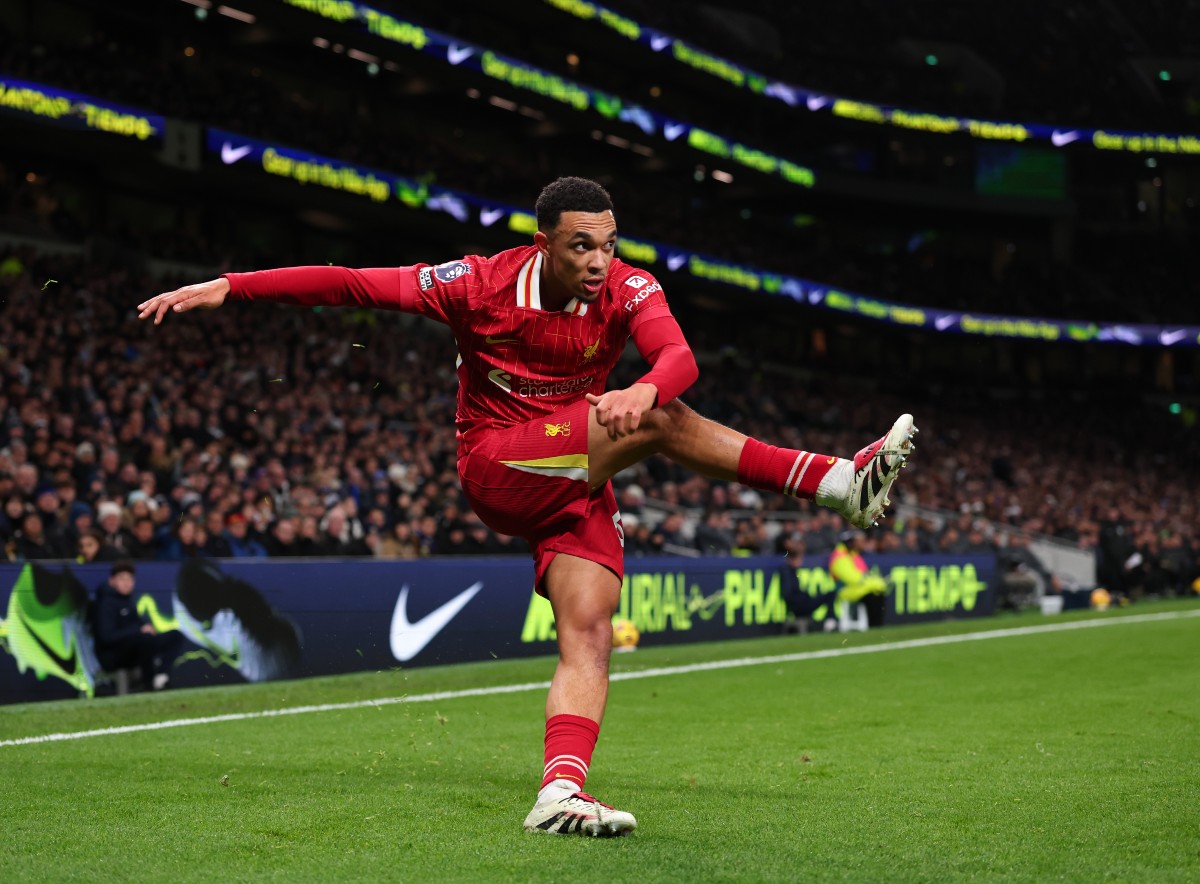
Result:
656,334
436,291
673,367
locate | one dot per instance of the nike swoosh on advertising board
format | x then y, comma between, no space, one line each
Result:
659,42
231,154
671,131
67,663
1167,338
783,92
1059,139
674,262
816,102
458,54
409,639
944,322
488,217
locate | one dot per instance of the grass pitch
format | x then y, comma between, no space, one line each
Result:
1069,755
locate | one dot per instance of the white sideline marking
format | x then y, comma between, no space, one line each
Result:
616,676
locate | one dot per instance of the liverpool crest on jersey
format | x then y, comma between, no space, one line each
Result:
589,352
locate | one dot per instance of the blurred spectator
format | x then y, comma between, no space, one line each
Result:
241,543
46,502
124,637
109,514
750,537
1175,563
142,543
1023,576
637,537
1117,555
187,541
309,538
33,541
337,539
453,540
848,568
714,537
480,540
631,499
802,605
216,545
669,533
92,548
11,517
283,541
399,543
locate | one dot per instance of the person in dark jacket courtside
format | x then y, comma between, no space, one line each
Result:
124,638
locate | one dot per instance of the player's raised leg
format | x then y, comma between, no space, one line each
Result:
857,488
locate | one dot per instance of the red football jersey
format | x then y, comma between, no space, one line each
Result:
516,360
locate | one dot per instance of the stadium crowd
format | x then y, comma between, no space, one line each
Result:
257,431
282,432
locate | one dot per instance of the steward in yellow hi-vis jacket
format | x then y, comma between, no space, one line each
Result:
849,569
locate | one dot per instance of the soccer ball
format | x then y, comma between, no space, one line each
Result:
625,635
1101,599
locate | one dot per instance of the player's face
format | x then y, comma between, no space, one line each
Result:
578,252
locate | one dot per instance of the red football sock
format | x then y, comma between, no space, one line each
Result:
570,740
782,470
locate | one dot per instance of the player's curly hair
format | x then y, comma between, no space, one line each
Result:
569,194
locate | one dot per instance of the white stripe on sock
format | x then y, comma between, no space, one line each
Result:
799,458
800,478
570,760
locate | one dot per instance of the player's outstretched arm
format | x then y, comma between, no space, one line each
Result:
205,295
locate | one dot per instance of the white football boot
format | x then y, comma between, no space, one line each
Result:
561,812
862,495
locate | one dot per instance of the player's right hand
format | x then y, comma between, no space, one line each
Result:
205,295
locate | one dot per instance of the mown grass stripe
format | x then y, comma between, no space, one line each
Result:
617,676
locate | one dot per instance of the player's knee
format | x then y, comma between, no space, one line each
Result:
587,643
665,419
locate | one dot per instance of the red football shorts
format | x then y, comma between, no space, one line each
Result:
531,481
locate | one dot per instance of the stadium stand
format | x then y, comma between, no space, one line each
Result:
331,433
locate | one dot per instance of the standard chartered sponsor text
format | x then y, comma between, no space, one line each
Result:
531,388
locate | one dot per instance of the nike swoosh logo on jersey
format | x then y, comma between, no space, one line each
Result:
409,639
490,340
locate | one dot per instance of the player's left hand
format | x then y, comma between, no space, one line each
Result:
620,411
205,295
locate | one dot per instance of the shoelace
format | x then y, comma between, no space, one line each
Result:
592,799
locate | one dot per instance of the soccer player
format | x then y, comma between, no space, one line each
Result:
538,330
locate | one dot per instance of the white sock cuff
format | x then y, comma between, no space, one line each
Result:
835,484
557,786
